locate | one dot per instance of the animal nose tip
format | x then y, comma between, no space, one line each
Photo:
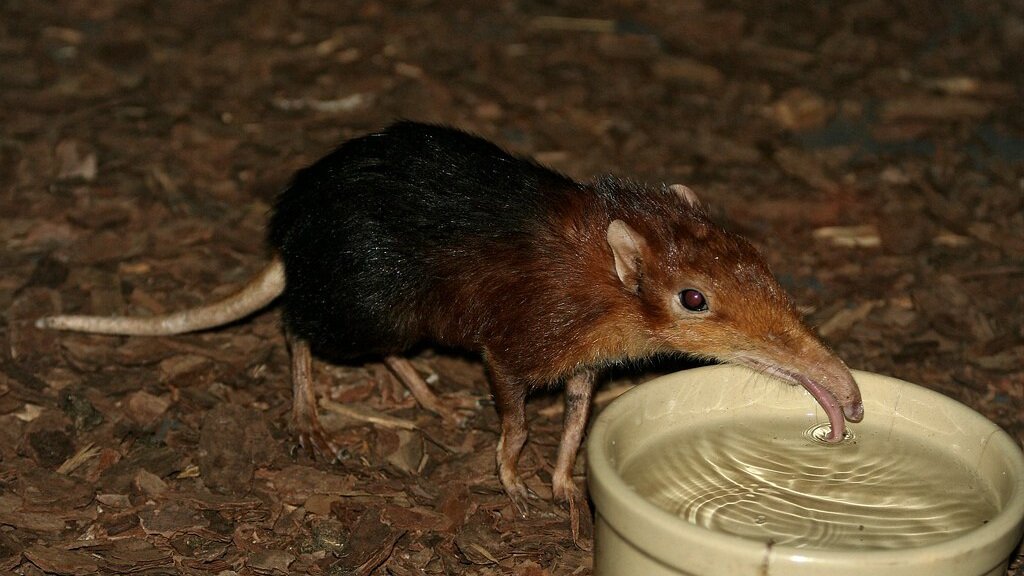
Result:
854,412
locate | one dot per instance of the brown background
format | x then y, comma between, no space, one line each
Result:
142,143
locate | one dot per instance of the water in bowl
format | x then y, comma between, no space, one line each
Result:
775,482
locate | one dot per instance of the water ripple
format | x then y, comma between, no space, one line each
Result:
759,481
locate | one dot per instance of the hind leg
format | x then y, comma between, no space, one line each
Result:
510,400
311,432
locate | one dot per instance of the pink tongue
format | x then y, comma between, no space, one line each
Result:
829,404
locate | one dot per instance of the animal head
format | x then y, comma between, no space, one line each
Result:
705,291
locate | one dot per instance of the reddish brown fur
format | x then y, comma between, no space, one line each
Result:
569,310
544,327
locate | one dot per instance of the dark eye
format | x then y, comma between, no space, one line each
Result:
693,300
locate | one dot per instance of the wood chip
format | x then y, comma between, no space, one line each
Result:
29,412
149,484
364,414
861,236
271,562
294,484
57,560
233,442
573,24
146,409
846,318
800,109
807,168
934,109
33,521
408,456
84,454
74,163
687,70
171,518
370,544
344,104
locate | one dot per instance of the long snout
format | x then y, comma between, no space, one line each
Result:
833,386
821,373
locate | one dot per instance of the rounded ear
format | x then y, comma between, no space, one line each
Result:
627,247
684,192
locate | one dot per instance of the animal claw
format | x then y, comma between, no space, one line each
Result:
520,496
564,490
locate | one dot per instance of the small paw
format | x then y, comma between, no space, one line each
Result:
564,490
580,522
520,496
517,491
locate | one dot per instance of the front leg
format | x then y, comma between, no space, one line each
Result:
578,391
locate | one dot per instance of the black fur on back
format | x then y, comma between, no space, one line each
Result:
370,232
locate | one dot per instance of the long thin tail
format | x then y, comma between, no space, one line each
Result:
261,291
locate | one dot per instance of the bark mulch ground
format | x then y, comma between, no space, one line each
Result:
874,150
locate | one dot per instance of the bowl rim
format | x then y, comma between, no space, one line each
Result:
607,487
